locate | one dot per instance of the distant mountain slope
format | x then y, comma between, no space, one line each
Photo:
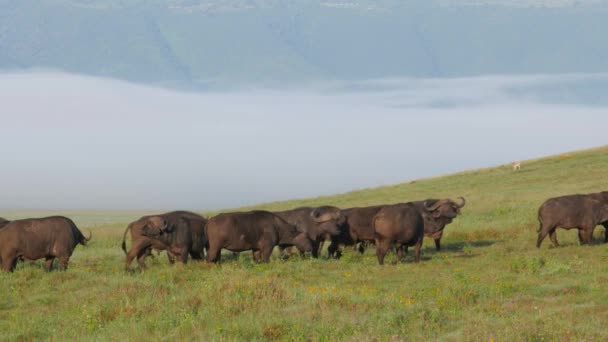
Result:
265,41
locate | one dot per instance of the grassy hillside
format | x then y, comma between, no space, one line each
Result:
490,282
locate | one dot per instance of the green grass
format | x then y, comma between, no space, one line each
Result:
490,282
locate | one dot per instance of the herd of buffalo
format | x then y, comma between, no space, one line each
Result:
187,235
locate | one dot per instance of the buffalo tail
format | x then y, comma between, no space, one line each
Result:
124,240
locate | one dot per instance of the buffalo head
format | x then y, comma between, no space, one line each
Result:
155,226
328,219
443,211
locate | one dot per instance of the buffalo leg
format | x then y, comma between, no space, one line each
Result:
196,255
587,236
605,232
135,251
355,240
213,254
417,248
9,263
48,264
266,253
544,230
170,257
362,246
553,237
333,249
382,247
315,249
399,248
257,256
141,258
63,263
148,252
183,256
438,244
590,236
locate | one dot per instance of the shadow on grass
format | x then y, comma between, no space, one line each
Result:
460,246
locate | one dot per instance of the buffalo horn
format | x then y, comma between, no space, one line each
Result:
462,202
434,206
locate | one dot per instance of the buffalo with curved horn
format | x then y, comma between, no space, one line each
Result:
319,223
180,233
437,214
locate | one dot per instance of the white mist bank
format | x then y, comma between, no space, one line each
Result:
81,142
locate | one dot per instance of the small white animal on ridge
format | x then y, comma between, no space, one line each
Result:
516,166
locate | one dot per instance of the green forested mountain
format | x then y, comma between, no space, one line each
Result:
228,41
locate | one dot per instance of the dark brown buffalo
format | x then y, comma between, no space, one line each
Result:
572,211
258,231
37,238
602,197
3,222
438,213
181,233
181,236
357,229
318,223
400,225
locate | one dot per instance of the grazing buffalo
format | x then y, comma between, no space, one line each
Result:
33,239
258,231
602,197
357,229
572,211
318,223
181,233
3,222
398,224
437,214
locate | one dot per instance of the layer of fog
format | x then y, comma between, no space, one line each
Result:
80,142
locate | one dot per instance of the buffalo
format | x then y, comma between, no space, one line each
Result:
37,238
181,233
573,211
437,214
259,231
400,225
356,229
318,223
3,222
